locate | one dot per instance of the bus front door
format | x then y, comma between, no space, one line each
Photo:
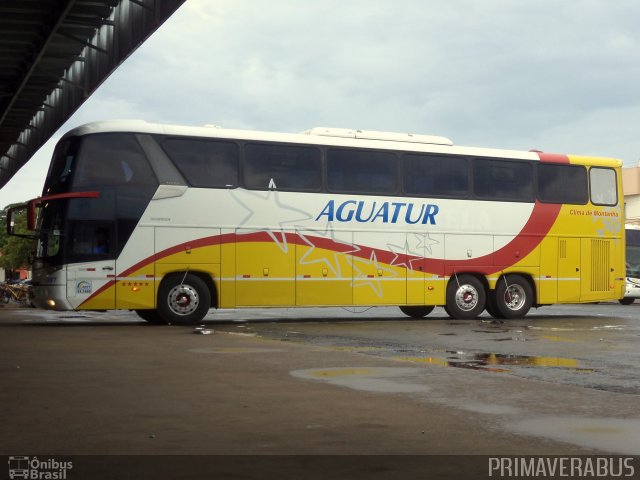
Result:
88,285
91,272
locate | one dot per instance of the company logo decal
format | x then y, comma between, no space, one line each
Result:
28,467
83,288
382,212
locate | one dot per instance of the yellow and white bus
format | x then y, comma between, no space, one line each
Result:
171,221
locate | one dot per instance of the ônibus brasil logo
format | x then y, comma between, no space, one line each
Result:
33,468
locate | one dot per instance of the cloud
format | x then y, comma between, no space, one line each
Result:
558,76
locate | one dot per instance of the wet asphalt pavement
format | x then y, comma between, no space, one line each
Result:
564,380
594,346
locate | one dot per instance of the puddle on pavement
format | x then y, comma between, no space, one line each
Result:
356,349
226,350
579,328
616,435
368,379
493,362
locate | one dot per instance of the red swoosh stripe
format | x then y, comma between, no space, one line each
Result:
542,218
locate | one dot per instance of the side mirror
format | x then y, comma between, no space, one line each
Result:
20,221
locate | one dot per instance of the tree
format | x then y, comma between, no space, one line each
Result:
15,250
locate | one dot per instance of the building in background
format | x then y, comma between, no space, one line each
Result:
631,185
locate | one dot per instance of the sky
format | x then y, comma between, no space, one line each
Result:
554,76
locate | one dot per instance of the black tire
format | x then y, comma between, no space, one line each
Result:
514,296
151,316
417,311
627,300
466,297
183,302
448,312
491,306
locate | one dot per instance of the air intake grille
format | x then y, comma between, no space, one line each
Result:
600,265
563,249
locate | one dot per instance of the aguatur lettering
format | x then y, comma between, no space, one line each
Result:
384,212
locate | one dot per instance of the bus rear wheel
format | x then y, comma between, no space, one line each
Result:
466,297
417,311
183,299
627,300
492,307
514,296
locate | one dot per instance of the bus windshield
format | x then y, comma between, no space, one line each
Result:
114,167
50,229
59,176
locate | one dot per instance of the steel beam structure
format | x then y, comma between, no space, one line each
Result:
53,56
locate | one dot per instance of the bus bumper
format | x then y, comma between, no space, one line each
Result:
50,290
632,289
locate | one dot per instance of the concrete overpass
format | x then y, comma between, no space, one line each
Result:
53,55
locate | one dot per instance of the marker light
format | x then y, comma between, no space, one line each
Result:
51,303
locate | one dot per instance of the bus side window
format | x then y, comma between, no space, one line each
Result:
603,186
282,167
91,240
435,175
205,163
498,179
562,183
362,171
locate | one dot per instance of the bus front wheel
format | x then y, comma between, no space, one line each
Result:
514,296
151,316
466,297
183,299
417,311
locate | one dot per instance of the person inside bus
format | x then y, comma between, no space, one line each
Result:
101,244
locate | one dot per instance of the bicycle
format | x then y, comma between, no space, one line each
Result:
16,293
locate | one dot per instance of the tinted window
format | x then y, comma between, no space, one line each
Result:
562,184
115,165
205,163
91,240
112,159
361,171
503,180
50,228
603,186
633,238
282,167
436,175
633,253
62,167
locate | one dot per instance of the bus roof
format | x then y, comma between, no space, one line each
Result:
340,137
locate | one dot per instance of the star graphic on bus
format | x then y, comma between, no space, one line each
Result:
361,278
427,243
326,240
269,201
408,253
413,250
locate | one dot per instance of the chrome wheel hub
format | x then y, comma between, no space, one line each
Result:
466,297
183,299
515,297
